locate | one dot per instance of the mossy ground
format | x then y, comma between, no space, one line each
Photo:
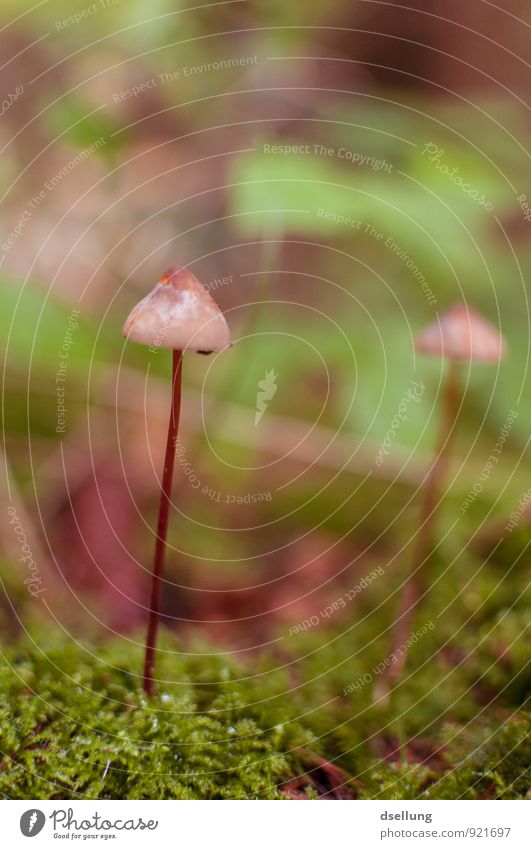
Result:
75,723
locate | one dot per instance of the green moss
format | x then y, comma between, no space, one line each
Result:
75,722
492,761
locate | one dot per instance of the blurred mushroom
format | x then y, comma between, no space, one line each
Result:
178,314
460,335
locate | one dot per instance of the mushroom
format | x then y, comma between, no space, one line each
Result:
178,314
460,335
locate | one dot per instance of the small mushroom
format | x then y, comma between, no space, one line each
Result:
460,335
178,314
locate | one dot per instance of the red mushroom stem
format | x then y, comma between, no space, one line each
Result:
162,526
414,586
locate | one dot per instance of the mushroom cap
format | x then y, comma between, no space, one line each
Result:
462,334
178,314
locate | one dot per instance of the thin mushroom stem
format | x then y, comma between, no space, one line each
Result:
414,587
162,526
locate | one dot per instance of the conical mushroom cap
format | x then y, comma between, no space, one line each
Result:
178,314
462,334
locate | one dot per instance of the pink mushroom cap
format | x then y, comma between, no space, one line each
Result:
178,314
462,334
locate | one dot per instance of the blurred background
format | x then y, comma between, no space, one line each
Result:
337,175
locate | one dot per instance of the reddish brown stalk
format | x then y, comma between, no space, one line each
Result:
415,584
162,526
